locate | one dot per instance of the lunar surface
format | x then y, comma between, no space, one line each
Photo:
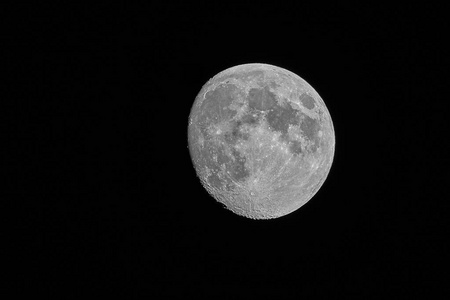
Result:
261,140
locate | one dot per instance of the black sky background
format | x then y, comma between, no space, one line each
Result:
97,162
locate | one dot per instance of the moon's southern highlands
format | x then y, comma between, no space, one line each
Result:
261,140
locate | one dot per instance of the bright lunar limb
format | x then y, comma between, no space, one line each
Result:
261,139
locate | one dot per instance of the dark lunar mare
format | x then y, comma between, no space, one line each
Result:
310,127
295,147
262,103
280,117
279,195
261,99
307,101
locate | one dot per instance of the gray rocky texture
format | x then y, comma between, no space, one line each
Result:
261,139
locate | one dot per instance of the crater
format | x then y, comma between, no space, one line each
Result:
307,101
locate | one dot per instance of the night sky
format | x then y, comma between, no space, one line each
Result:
97,156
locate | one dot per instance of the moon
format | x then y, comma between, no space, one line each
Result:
261,140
